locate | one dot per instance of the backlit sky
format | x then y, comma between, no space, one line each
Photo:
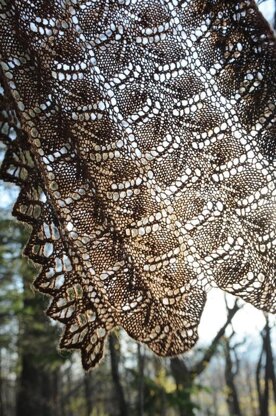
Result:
267,8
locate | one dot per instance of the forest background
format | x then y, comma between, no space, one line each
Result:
230,372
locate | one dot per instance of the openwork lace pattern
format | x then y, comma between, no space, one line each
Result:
142,135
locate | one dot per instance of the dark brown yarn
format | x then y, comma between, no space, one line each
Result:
142,135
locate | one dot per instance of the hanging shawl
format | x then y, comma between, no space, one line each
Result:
142,135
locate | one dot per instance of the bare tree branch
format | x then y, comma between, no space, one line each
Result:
201,365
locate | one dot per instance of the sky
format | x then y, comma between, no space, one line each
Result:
268,9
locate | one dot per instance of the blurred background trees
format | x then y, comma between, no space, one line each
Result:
227,375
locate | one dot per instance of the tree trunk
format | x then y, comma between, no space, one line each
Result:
184,376
266,363
252,399
232,394
35,395
56,393
184,381
266,366
141,360
88,393
1,387
115,357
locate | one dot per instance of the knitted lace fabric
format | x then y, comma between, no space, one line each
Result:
142,135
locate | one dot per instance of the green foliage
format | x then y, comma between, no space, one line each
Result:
31,366
27,336
21,309
10,282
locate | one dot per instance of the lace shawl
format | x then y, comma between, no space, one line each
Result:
142,135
